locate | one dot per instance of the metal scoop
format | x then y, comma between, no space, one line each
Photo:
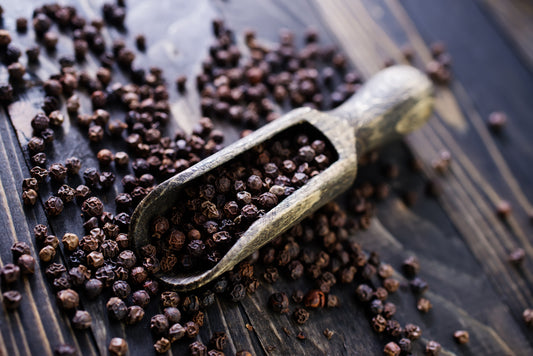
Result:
394,102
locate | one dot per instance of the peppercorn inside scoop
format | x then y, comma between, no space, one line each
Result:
215,210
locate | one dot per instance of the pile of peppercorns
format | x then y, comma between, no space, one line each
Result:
217,208
248,91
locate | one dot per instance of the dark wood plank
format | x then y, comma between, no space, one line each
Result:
514,17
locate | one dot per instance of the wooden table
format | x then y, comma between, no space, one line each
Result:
461,243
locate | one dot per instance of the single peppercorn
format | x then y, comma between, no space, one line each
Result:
57,172
197,349
19,248
176,332
379,323
12,299
364,293
118,347
392,349
121,289
300,315
70,241
135,314
140,298
279,302
218,340
93,288
418,285
412,332
73,165
527,316
116,308
105,157
424,305
516,257
497,121
159,324
162,345
53,206
461,337
191,329
66,193
68,299
81,320
243,353
92,207
65,350
405,346
433,348
26,263
10,273
47,254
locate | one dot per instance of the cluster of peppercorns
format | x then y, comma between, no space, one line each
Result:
438,69
217,208
246,91
23,264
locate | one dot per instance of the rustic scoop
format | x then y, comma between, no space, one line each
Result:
395,101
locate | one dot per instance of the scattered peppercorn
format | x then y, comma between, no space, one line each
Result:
26,263
497,121
392,349
433,348
12,299
118,347
527,316
82,320
68,299
424,305
461,337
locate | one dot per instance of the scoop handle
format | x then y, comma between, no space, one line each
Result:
394,102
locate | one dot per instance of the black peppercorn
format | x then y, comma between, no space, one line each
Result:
364,293
197,349
92,207
93,288
53,206
140,298
159,324
10,273
40,122
279,302
117,308
118,347
418,285
300,315
12,299
81,320
461,337
176,332
392,349
162,345
135,315
191,329
412,332
433,348
68,299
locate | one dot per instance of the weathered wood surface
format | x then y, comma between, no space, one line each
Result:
463,247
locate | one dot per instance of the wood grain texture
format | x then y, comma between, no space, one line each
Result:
514,17
461,244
